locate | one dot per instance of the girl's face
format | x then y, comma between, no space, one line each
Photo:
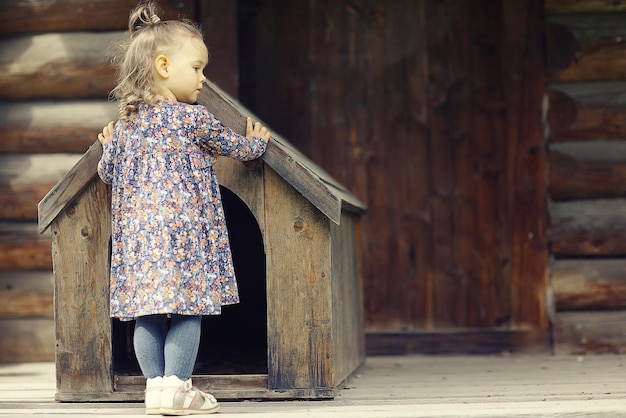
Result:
181,73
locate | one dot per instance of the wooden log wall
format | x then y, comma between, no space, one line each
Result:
54,83
430,111
586,70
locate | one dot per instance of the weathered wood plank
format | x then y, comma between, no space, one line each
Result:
81,296
404,249
450,69
26,340
590,332
251,381
51,126
347,294
585,111
25,179
65,65
297,228
26,294
586,47
589,283
574,179
18,16
526,169
463,199
22,248
236,387
584,228
227,387
584,6
69,186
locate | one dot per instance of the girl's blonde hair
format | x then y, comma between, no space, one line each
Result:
148,36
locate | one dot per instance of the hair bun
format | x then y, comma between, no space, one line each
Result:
145,14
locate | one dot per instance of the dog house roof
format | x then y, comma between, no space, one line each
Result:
315,184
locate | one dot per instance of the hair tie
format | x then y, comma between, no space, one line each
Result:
155,19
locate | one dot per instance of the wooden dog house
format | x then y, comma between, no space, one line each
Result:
293,229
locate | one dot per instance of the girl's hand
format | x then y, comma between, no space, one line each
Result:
107,133
257,130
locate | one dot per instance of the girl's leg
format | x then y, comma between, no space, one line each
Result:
149,343
181,345
179,397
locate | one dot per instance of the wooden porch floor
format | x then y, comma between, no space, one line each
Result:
391,387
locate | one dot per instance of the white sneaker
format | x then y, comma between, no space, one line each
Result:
181,398
154,387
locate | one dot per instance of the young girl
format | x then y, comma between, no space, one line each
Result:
170,250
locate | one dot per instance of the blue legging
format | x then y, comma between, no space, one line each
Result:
167,353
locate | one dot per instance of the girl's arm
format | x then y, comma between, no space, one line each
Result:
221,140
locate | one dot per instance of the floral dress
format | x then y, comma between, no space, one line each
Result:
170,250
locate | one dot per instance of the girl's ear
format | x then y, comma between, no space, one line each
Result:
161,65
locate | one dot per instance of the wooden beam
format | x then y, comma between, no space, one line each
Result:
57,65
581,284
588,227
590,332
52,127
604,60
584,6
25,179
586,111
19,201
19,16
26,294
574,179
586,47
25,340
22,248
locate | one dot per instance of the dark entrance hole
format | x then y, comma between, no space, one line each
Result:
234,342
